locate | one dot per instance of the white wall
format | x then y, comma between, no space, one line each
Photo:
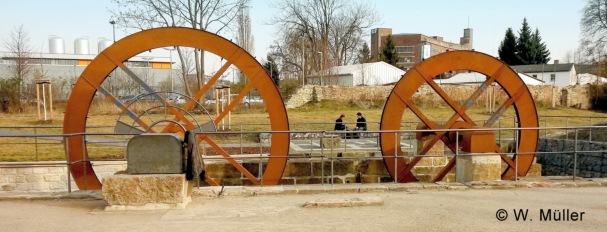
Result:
562,78
378,74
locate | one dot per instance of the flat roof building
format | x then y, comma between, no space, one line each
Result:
415,47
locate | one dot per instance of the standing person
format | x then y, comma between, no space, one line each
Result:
339,125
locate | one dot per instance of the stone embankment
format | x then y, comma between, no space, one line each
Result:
591,158
573,96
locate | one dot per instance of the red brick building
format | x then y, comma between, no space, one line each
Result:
411,46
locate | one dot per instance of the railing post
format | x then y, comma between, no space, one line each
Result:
241,139
260,161
36,143
499,133
516,152
332,137
546,125
84,159
395,160
590,131
69,170
322,160
567,125
575,155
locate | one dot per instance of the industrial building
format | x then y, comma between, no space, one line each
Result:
64,69
377,73
412,48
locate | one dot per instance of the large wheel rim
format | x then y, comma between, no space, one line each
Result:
422,73
96,72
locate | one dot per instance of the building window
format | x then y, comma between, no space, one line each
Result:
404,49
84,62
534,76
405,59
552,77
161,65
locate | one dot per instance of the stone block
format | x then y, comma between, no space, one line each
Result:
297,169
58,185
51,178
24,186
17,179
34,178
57,170
146,191
40,170
478,168
356,154
535,170
329,141
3,179
40,186
9,171
23,171
9,187
366,201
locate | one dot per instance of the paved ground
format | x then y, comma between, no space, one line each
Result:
471,210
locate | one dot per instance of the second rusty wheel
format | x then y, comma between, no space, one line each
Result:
498,72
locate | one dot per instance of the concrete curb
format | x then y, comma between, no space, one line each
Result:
249,191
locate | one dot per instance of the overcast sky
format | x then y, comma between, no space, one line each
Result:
557,20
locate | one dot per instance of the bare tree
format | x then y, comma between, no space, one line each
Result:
331,30
244,37
20,70
208,15
594,24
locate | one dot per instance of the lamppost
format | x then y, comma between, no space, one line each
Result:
320,67
113,29
171,66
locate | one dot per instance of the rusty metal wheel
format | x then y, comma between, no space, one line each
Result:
114,56
400,99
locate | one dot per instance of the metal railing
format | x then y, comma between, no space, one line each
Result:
324,158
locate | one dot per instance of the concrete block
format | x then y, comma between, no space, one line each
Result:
535,170
328,203
329,141
367,201
478,168
146,191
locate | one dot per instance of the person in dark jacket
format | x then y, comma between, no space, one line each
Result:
339,125
361,125
361,122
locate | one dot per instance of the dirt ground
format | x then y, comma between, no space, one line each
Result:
472,210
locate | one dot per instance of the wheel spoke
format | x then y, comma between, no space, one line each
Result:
119,104
230,159
504,107
237,99
138,80
190,104
445,170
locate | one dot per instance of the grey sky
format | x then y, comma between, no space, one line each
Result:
558,21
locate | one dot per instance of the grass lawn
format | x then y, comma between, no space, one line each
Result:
311,113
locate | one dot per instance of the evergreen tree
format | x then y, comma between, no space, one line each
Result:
388,53
507,49
364,54
542,55
524,45
271,68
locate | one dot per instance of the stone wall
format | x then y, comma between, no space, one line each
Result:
29,176
576,96
589,164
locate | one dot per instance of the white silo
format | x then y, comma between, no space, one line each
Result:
56,45
103,44
81,46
